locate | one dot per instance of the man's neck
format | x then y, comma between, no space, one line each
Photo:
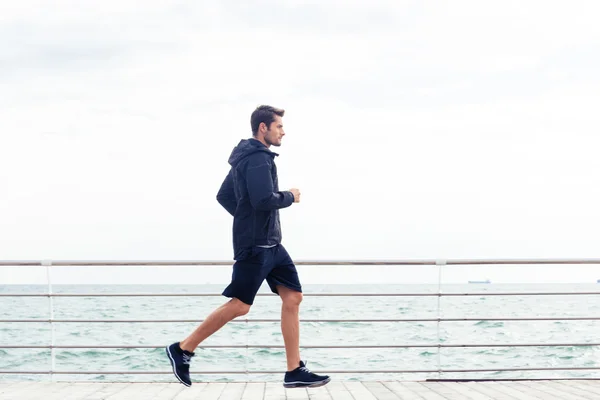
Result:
262,140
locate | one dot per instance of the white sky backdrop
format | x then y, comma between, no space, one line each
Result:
463,129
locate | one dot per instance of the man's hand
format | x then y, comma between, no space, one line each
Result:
296,193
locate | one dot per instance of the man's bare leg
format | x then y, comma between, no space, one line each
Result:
215,321
290,324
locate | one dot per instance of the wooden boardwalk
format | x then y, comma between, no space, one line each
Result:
336,390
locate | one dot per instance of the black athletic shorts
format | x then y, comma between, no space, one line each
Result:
273,264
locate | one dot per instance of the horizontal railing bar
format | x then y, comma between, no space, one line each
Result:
99,263
307,320
427,294
358,371
260,346
456,380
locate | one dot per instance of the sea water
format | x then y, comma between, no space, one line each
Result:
479,331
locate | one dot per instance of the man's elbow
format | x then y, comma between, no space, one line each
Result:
227,204
223,196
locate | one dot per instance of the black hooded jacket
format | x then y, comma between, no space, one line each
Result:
250,193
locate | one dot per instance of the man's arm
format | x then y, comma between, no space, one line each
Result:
226,195
260,185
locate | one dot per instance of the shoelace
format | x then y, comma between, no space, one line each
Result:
186,359
304,369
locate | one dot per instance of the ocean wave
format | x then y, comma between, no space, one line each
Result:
490,324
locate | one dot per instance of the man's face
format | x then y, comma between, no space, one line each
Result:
275,132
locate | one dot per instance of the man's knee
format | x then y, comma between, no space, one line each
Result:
239,306
291,298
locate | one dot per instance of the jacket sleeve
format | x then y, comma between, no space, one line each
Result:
259,183
226,194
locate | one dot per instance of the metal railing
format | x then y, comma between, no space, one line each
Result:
439,294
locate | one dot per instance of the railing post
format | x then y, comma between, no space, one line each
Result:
247,355
48,265
439,264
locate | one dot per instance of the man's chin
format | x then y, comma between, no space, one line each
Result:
274,143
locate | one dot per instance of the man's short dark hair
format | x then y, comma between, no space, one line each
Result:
264,114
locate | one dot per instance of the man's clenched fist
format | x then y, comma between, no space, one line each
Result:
296,193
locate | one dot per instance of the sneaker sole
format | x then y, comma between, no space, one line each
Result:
174,369
306,385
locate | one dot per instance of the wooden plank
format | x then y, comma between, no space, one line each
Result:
423,391
233,391
108,391
141,391
595,383
338,391
297,394
519,390
274,391
571,390
400,389
213,390
380,391
57,392
193,392
169,391
26,390
104,390
359,391
254,391
318,393
547,390
19,390
447,391
489,389
29,389
469,389
81,390
128,389
593,387
8,385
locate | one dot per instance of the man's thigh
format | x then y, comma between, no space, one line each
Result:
248,275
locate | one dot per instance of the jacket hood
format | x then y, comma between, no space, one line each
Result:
246,147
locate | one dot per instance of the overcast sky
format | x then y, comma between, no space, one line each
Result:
463,129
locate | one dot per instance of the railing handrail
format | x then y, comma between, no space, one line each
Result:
423,294
303,320
102,263
341,371
275,346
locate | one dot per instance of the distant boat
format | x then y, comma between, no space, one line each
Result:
598,281
488,281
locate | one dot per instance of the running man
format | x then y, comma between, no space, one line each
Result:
250,193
